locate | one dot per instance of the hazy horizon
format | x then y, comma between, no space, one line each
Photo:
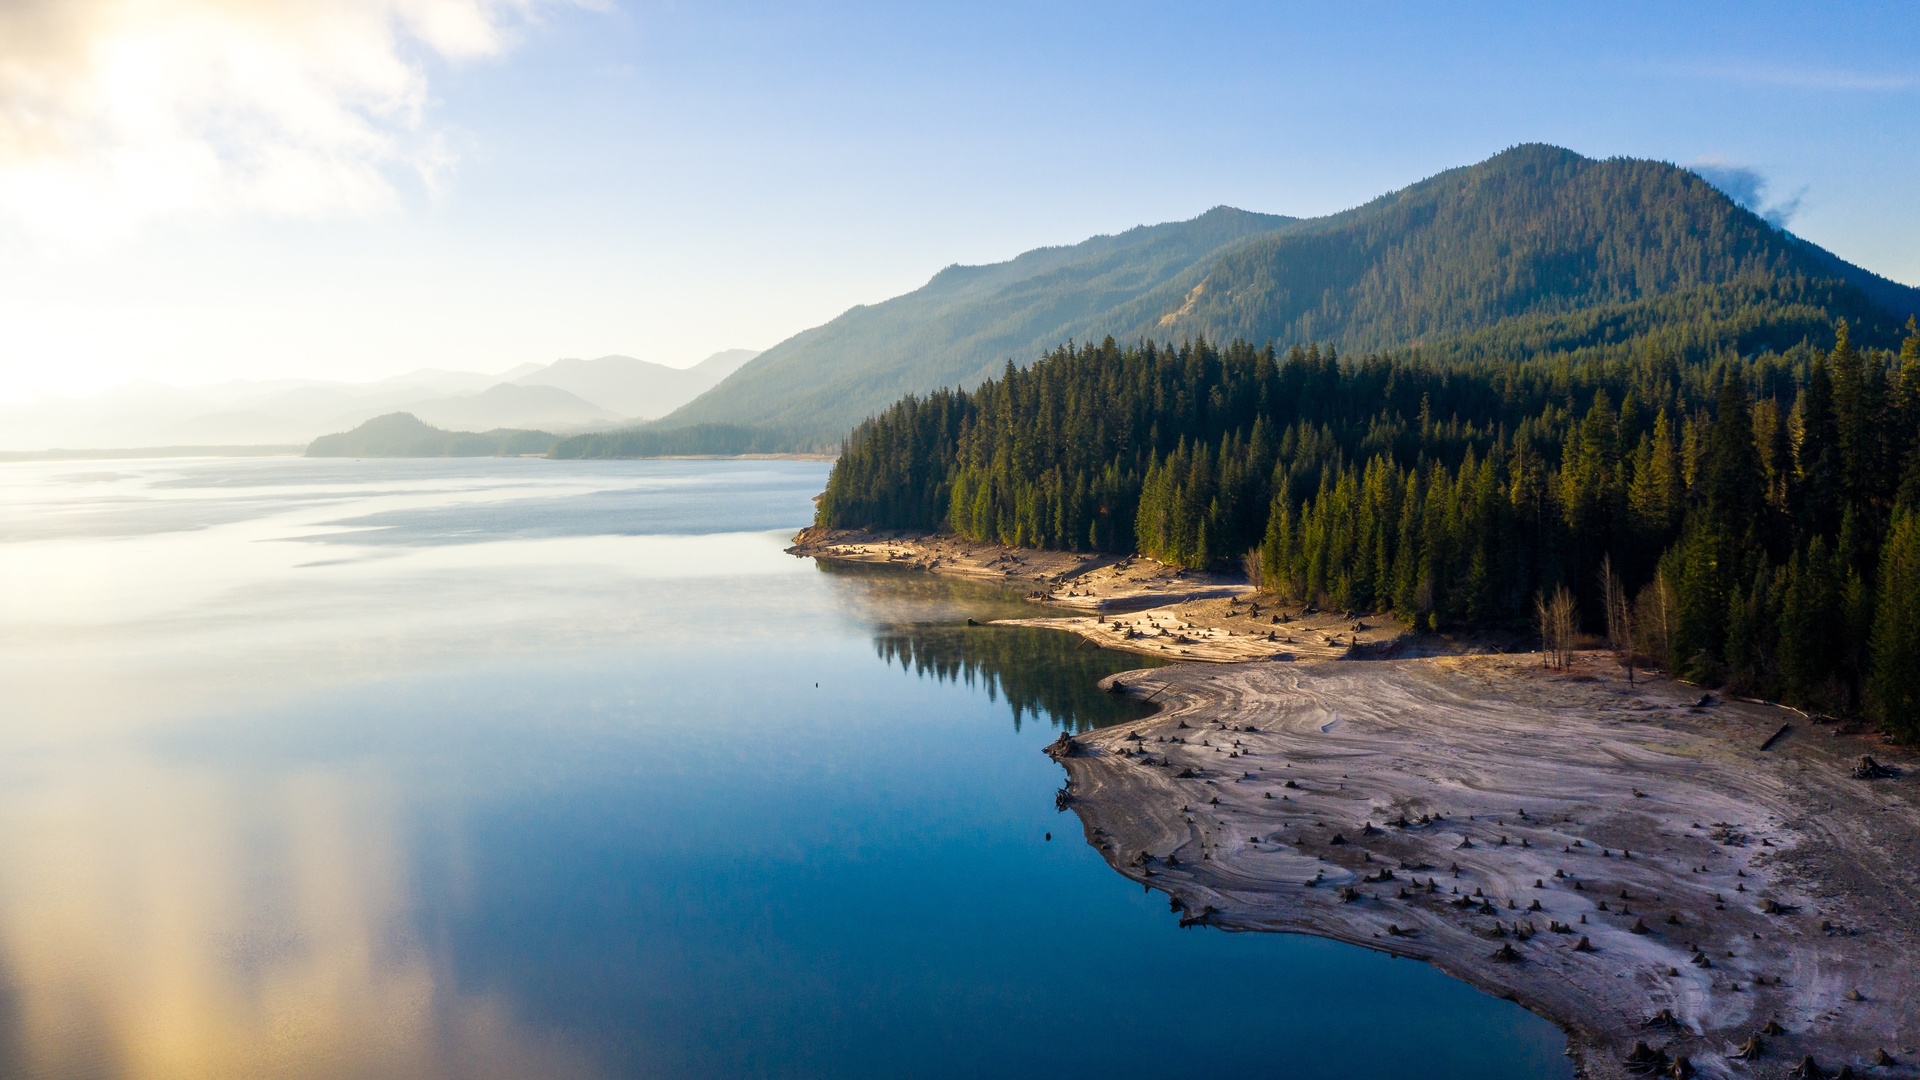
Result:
676,362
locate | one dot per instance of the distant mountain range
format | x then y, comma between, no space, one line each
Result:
565,396
1536,253
632,387
404,435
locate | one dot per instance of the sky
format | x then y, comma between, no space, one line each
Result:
204,190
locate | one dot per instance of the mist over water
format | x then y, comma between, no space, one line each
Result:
507,768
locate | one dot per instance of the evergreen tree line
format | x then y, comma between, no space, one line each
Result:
697,440
1760,513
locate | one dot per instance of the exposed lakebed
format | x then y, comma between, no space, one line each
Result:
513,768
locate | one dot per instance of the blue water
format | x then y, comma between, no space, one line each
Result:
563,769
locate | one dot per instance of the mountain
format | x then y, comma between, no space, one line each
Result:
233,412
1535,252
1534,235
301,411
962,325
439,381
637,388
513,405
404,435
569,394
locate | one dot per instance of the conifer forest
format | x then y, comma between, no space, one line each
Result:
1750,521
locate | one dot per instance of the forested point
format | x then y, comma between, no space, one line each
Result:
696,440
1749,519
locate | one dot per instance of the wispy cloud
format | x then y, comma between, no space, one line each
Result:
1748,187
116,112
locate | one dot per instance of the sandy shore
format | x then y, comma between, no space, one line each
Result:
1132,604
1489,817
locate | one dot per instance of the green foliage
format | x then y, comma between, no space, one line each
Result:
1894,693
404,435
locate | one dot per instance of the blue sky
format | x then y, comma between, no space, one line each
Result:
550,179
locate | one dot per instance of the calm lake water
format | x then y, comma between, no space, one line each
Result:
506,768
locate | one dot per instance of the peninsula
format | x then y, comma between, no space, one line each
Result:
1685,883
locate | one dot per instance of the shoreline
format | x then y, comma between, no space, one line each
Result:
1720,887
1126,603
1777,866
784,456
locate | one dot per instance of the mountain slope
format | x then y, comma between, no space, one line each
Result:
962,325
1536,231
1534,252
637,388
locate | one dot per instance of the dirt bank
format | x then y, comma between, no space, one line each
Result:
1075,580
1486,816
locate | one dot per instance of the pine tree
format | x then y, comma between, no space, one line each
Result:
1904,415
1894,692
1811,612
1659,490
1821,491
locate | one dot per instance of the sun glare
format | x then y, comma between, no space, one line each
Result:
116,112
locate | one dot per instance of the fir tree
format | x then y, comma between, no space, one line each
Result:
1894,692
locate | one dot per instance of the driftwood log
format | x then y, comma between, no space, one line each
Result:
1869,769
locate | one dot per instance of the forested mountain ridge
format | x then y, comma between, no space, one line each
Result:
1534,233
1535,253
958,328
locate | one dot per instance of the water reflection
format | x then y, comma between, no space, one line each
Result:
898,596
494,794
1042,674
920,624
163,923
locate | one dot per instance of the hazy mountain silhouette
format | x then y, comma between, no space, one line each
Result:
404,435
637,388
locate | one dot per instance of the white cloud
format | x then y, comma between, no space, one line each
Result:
115,112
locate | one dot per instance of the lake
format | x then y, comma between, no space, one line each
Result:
522,768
